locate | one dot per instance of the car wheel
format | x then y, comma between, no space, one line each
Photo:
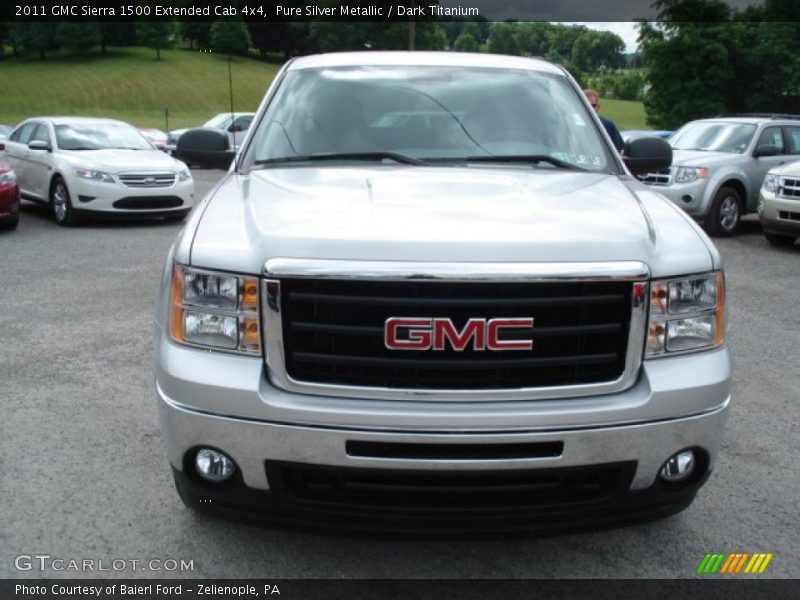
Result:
780,240
725,214
10,225
61,204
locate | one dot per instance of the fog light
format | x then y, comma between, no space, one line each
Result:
687,198
214,466
678,466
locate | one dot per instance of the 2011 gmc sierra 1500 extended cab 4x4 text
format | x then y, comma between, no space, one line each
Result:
429,296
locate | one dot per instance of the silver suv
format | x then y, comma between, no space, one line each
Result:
718,166
477,319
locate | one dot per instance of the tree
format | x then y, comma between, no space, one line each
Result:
78,36
156,35
502,39
230,37
37,37
465,43
197,33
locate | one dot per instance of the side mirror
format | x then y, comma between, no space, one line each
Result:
206,147
39,145
765,150
647,154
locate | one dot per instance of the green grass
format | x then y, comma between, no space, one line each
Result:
626,114
131,85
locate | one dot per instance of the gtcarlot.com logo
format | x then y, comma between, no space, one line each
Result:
734,563
46,562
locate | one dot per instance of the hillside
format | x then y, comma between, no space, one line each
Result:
130,84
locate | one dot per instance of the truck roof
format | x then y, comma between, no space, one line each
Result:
427,59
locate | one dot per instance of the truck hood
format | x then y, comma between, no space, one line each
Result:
441,214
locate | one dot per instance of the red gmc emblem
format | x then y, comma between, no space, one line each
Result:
415,333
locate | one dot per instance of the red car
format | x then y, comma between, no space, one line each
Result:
9,197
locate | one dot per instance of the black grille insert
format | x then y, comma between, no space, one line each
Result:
454,451
402,490
148,202
334,333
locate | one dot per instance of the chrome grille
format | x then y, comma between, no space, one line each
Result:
655,178
148,180
790,188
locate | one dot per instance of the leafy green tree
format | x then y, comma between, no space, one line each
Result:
156,35
230,37
35,36
78,36
598,50
465,43
503,40
197,33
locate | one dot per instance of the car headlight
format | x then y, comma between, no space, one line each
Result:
771,182
215,310
686,314
184,175
690,174
94,175
8,178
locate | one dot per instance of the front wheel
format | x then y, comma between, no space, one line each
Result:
780,240
725,214
61,204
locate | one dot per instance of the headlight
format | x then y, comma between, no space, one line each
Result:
215,310
94,175
686,314
184,175
690,174
771,182
8,177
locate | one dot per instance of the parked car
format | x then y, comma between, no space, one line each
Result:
157,137
473,321
9,197
236,125
718,166
85,165
635,134
5,130
779,203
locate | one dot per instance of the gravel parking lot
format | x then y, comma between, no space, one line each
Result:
84,474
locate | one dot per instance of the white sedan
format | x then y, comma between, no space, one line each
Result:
79,165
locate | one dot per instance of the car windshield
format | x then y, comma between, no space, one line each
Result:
717,137
100,136
441,115
220,121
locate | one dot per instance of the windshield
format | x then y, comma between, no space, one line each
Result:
718,137
436,114
100,136
221,121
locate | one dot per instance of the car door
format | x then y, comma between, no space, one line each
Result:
17,153
40,163
772,135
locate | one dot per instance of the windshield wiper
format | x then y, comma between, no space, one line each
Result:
534,159
399,158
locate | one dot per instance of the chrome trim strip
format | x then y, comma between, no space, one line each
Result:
273,324
455,271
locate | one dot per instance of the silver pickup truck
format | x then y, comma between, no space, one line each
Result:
472,320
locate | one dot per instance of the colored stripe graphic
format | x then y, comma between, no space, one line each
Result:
734,562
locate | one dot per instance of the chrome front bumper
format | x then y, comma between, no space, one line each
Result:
252,443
